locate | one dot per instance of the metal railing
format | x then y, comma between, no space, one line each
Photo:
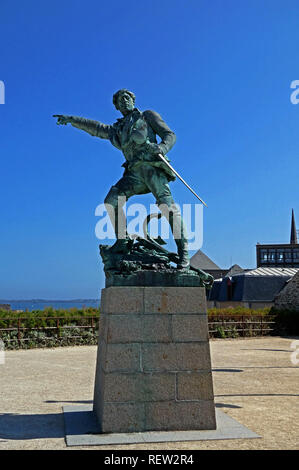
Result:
61,324
219,326
241,325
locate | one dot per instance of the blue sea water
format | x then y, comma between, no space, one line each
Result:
40,304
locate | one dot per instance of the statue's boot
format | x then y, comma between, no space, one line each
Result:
114,203
173,214
183,253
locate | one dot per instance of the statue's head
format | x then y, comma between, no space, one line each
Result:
124,101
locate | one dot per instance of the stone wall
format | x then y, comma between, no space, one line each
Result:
288,297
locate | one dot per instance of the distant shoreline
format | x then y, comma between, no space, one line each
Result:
3,301
41,304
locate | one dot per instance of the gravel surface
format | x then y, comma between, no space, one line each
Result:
255,382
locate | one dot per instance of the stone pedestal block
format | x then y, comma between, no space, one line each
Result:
153,366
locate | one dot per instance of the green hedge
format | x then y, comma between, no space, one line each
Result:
221,327
286,321
32,338
46,317
238,311
72,336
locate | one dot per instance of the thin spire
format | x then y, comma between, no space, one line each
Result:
293,240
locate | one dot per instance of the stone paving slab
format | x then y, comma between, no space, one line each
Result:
81,429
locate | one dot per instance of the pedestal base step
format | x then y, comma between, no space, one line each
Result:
82,429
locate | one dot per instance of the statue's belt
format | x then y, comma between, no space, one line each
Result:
133,164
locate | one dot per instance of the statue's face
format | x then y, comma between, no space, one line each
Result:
125,103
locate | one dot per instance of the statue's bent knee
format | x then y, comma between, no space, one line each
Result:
166,201
112,197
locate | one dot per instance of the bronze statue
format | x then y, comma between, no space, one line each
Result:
135,135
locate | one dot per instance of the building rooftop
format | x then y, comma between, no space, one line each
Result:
235,269
257,285
201,261
272,272
280,254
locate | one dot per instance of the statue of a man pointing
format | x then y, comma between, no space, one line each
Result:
135,134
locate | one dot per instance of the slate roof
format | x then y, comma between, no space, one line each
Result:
260,285
201,261
235,269
288,297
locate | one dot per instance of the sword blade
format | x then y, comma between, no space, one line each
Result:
183,181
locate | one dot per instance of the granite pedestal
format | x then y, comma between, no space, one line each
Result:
153,367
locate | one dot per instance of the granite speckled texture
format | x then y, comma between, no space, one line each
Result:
153,366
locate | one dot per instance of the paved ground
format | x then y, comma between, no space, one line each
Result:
255,382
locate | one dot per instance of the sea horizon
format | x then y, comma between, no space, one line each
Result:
78,299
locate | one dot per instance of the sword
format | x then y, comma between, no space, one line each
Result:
176,173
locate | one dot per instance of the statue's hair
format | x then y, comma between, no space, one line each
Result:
120,92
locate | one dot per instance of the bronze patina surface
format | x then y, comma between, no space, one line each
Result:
135,134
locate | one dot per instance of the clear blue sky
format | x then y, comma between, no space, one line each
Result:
218,72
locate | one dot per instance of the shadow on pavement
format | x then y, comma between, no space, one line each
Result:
226,405
69,401
259,395
38,426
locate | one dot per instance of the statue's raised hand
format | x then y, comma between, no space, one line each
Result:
62,119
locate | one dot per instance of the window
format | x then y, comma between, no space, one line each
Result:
271,256
263,256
